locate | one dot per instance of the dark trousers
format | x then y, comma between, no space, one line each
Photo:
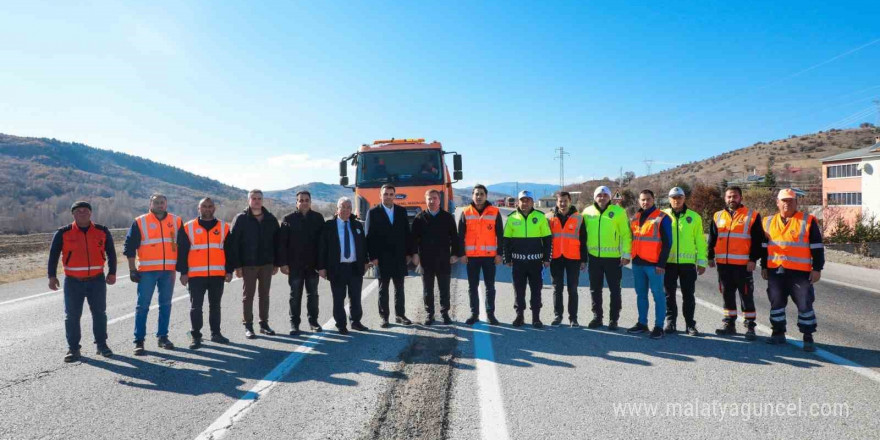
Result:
251,275
605,270
686,276
794,284
527,273
298,279
564,270
487,266
75,293
733,278
198,287
346,282
442,273
399,301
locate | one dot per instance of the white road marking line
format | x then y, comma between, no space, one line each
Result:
826,355
854,286
60,290
155,306
242,406
493,420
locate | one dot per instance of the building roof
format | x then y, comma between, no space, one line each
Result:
872,151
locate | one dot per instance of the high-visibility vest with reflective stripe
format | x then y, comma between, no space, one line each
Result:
83,254
608,232
206,257
646,238
158,248
789,243
688,243
479,237
734,237
566,238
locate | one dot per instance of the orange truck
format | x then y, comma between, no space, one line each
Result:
411,165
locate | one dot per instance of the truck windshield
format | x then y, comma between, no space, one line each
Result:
416,167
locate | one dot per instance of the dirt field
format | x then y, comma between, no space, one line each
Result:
24,257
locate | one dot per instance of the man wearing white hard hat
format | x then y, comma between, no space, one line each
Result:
687,258
792,263
609,243
527,249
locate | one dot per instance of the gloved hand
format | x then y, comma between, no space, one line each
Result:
135,276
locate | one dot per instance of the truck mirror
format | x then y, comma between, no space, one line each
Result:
456,163
343,169
457,174
343,181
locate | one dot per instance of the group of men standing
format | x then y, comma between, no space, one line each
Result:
667,250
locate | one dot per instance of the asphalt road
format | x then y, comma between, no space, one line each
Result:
456,382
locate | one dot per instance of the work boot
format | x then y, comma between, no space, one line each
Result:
266,330
557,320
490,316
249,331
402,319
657,333
195,343
342,330
776,338
809,345
72,356
314,327
670,327
519,320
429,320
163,342
104,350
750,334
536,320
595,323
638,328
220,339
139,348
726,329
612,325
446,319
574,323
472,320
294,331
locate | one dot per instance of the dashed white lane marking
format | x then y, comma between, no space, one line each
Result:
493,420
826,355
242,406
25,298
854,286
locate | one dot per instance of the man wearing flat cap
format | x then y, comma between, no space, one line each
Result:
83,248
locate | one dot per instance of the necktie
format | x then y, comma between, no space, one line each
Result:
347,247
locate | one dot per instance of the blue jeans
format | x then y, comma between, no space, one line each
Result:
164,280
75,292
644,277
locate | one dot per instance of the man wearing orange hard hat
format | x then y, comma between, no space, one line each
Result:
793,261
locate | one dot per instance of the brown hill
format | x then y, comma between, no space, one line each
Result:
795,161
40,178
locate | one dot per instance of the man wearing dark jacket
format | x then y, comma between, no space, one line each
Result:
389,246
436,240
342,259
252,243
297,257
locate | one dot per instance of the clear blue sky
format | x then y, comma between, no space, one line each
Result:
273,94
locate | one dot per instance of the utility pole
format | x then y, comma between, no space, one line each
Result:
561,158
648,163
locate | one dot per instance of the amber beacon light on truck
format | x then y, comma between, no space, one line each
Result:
411,165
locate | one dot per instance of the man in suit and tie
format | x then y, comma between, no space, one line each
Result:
390,247
342,258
